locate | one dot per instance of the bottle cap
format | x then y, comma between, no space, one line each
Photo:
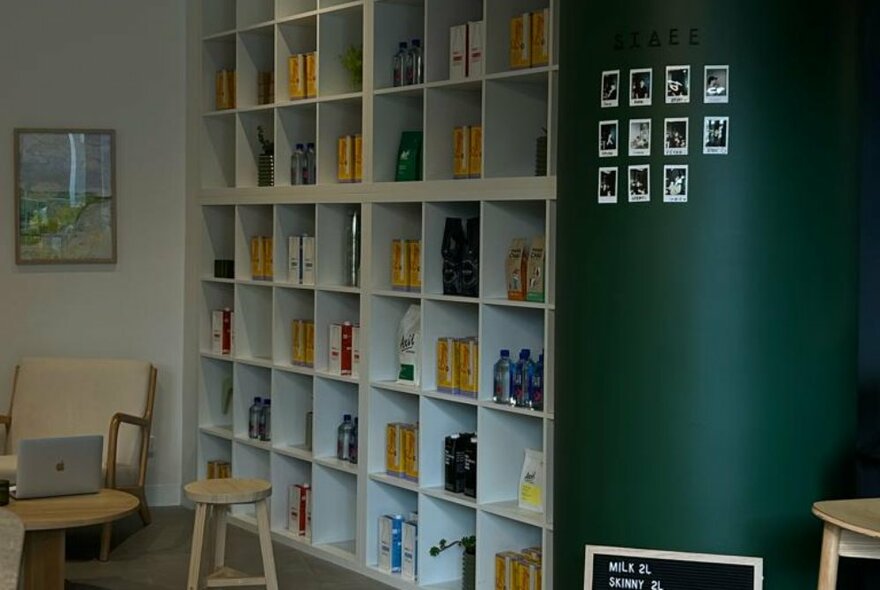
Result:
299,146
258,400
505,352
311,144
403,44
416,43
346,418
525,353
267,402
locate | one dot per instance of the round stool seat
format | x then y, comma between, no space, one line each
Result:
228,491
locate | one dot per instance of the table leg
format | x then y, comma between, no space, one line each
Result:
43,560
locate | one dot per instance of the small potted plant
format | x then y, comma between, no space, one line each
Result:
468,559
266,160
353,62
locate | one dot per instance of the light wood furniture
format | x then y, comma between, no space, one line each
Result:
852,529
11,543
213,498
45,521
73,396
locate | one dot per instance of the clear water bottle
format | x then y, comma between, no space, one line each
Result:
266,420
343,438
399,64
310,170
254,418
414,64
353,247
519,382
530,371
297,165
353,443
503,383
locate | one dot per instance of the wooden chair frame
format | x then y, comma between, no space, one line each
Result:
144,422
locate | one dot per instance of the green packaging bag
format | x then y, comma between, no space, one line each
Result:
409,156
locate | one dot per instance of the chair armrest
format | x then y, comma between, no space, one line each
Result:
118,419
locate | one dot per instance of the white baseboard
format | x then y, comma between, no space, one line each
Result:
163,495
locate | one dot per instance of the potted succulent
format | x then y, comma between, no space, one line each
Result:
353,62
266,160
468,559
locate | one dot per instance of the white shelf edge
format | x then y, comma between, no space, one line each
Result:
337,464
450,298
290,368
294,452
293,18
341,97
451,397
256,108
255,362
410,89
394,386
218,431
501,302
353,379
302,102
473,83
511,511
338,548
253,283
220,36
397,482
523,73
217,357
537,414
283,285
222,113
339,289
399,294
255,27
209,279
341,7
257,444
440,493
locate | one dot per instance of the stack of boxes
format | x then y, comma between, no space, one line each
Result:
303,340
518,571
261,258
345,354
406,265
458,366
460,464
467,143
466,51
301,260
219,470
350,158
302,75
265,87
402,451
222,331
529,39
398,545
225,90
299,517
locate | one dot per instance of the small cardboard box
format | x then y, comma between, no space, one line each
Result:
520,41
458,52
296,73
476,48
540,37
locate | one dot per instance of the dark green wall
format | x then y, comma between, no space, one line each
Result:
707,351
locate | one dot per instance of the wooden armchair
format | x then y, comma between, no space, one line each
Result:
71,396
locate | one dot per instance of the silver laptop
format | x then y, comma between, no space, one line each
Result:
61,466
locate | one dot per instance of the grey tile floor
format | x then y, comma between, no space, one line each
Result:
157,558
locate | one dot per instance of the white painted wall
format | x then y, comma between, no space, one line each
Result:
111,64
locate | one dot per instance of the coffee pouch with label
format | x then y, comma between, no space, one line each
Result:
516,270
452,251
470,260
535,283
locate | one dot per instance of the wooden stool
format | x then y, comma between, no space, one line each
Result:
852,529
216,495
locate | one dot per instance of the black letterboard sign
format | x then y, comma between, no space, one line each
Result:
637,569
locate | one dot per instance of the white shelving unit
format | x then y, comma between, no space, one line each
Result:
251,36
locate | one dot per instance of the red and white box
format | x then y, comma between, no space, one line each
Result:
476,48
458,52
221,331
334,363
300,514
355,350
341,348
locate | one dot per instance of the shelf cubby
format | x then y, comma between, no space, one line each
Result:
441,319
516,116
214,296
439,419
253,323
286,472
333,399
291,8
334,509
340,29
249,462
292,401
295,124
443,14
550,363
256,53
290,304
394,114
213,449
382,338
503,440
290,220
248,146
335,119
498,29
395,22
393,407
511,328
553,137
331,260
294,37
392,221
217,54
248,382
442,520
385,499
504,221
333,5
549,456
218,151
216,378
449,108
254,12
435,222
251,221
218,236
496,534
218,16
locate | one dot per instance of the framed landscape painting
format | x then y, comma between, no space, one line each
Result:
65,196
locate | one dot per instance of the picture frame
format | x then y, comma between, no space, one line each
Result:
65,196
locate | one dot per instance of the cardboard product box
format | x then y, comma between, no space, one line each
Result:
504,570
390,543
540,37
409,565
310,344
517,269
296,75
334,364
268,262
452,482
520,41
399,266
345,159
535,269
298,337
468,360
410,452
414,261
394,450
355,350
470,468
257,258
458,52
476,48
358,158
346,357
294,260
475,152
300,511
308,260
311,74
526,574
217,331
447,366
461,142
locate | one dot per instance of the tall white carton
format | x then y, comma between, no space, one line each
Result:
217,331
476,49
335,347
308,260
294,267
409,570
458,53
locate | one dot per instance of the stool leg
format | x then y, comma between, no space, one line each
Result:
195,558
220,536
266,545
830,557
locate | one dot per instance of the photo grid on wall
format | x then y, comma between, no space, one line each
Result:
679,91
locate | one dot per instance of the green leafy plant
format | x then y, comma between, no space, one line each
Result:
468,544
268,146
353,61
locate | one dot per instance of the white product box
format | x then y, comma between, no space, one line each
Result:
476,48
408,568
217,331
308,260
299,501
295,266
390,530
458,56
334,364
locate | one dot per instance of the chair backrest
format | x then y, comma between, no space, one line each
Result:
11,542
72,396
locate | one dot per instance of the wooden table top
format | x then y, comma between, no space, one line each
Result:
859,516
67,512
